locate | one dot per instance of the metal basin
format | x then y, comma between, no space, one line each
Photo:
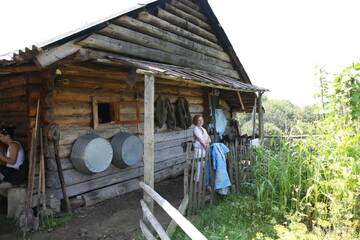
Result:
128,150
91,154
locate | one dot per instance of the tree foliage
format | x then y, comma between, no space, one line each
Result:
282,117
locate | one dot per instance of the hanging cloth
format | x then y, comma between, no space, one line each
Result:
164,113
170,116
183,113
160,111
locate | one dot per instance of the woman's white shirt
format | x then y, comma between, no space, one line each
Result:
19,158
200,135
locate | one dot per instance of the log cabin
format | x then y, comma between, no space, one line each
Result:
104,79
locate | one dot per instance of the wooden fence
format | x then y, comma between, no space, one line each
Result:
200,187
197,195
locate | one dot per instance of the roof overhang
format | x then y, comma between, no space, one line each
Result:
189,75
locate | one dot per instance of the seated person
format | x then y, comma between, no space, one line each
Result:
11,163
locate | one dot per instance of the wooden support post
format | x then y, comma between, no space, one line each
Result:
241,101
149,93
254,118
261,118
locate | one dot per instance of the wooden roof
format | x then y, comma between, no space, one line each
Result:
182,37
177,73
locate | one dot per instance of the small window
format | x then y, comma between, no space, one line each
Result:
104,113
113,110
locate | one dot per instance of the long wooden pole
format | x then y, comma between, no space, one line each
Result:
149,95
261,118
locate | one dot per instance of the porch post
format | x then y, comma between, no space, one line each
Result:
261,118
149,93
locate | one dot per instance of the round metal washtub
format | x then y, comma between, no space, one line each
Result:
128,150
91,154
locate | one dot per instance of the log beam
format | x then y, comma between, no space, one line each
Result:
180,22
118,46
158,22
128,35
157,32
187,17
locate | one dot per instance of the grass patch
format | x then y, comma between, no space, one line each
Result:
7,221
50,224
236,217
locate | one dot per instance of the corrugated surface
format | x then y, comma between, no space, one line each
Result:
188,74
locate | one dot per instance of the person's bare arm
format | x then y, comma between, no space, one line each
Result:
13,148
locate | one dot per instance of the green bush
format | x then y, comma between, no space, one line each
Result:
316,181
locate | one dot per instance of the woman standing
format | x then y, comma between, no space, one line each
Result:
201,144
11,164
201,137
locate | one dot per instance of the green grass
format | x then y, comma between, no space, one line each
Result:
237,217
49,224
7,221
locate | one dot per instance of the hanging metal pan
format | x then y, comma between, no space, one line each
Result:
128,150
91,154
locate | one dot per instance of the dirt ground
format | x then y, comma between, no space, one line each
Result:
115,219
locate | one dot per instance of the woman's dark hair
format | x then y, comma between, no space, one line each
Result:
196,118
7,130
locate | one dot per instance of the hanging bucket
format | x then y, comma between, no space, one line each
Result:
128,150
91,154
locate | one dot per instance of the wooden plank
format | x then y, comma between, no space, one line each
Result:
149,140
153,221
180,22
12,81
58,53
73,177
192,186
128,35
171,145
160,23
185,224
93,72
118,46
188,17
196,82
112,191
157,32
182,209
13,92
19,69
162,170
241,100
146,232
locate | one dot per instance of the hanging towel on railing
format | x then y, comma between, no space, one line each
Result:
222,180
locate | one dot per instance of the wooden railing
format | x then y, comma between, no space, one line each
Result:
176,216
240,160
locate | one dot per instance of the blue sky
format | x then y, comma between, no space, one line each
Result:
279,42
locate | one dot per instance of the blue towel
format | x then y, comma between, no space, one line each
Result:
218,151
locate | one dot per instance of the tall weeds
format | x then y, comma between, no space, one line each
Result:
316,180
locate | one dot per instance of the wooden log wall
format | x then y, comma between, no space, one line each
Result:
70,106
13,104
177,32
